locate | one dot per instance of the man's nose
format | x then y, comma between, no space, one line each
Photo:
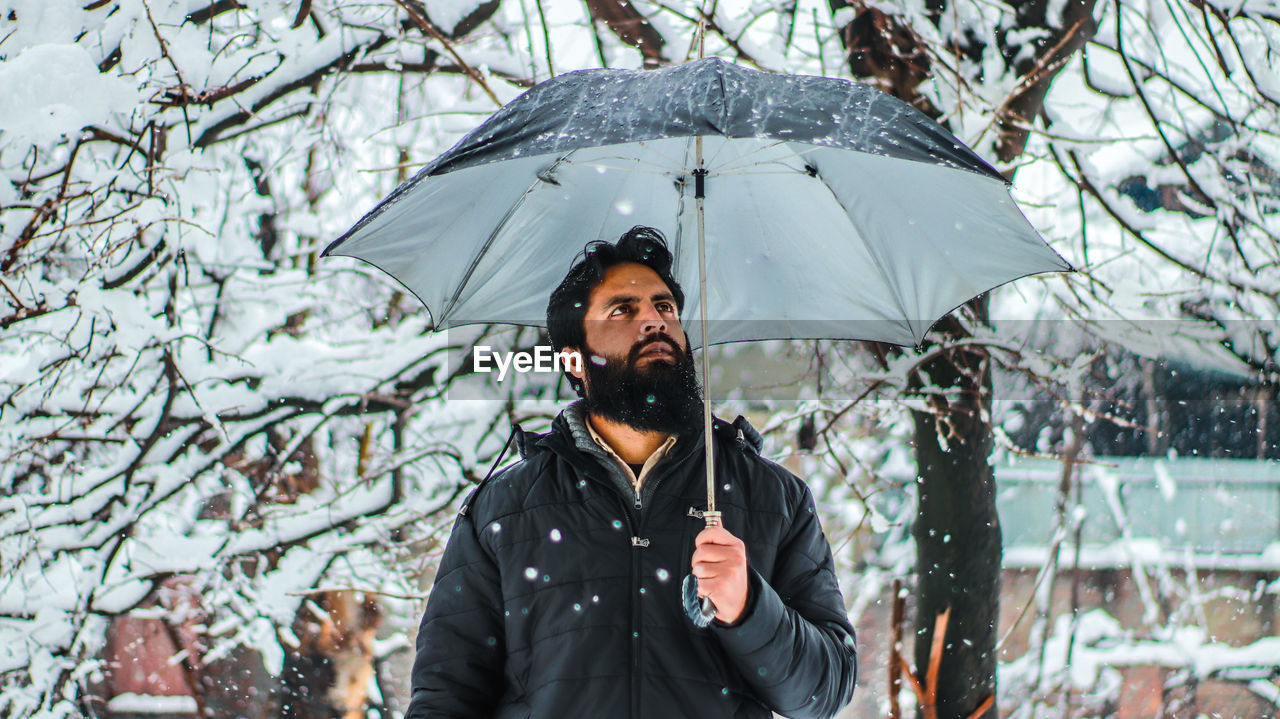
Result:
651,320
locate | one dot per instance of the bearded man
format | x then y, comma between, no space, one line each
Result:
559,593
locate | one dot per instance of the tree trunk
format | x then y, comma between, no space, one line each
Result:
957,531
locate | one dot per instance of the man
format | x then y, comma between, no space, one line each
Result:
559,593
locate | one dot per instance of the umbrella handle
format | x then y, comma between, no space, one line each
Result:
701,610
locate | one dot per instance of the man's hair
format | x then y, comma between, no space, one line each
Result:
568,305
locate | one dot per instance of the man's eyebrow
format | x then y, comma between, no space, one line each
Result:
620,300
632,299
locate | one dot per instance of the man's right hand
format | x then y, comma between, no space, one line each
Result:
720,564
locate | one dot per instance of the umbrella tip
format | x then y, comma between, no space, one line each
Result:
328,250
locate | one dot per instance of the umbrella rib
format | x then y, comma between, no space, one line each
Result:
749,173
657,169
672,162
781,143
711,161
739,159
484,249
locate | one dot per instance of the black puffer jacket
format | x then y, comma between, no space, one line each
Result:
558,595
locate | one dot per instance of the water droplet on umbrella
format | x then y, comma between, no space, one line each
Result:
624,207
595,598
959,225
582,482
663,575
577,607
555,535
493,641
727,487
598,360
495,527
546,577
651,399
725,691
531,574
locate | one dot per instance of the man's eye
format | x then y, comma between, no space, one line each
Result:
620,309
666,307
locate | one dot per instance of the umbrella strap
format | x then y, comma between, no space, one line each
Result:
515,428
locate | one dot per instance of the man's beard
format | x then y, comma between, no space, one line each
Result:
659,397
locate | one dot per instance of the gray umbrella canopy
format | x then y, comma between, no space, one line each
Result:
832,210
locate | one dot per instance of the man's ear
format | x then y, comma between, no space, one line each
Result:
574,363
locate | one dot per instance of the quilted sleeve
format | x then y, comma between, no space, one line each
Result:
458,671
795,645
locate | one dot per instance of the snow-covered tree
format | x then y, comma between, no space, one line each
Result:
187,398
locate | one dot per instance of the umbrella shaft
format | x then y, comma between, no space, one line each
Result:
706,366
700,175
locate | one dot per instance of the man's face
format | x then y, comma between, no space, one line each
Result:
636,363
631,306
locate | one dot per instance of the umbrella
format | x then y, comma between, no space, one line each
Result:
774,189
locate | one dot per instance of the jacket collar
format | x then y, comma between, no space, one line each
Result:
569,437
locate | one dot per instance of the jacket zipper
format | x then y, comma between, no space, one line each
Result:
651,483
638,543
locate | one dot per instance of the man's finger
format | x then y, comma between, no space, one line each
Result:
712,562
704,572
715,553
716,535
